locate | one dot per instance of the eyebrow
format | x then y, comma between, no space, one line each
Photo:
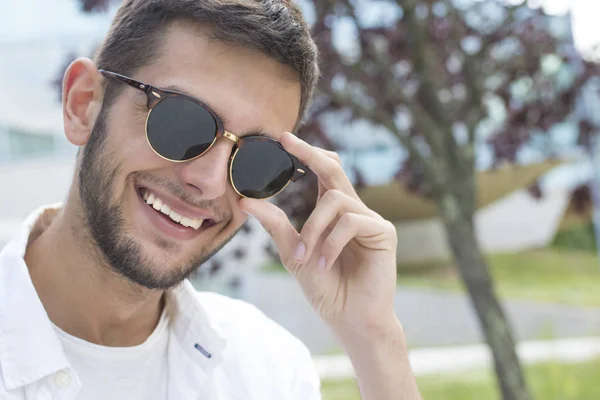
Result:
257,131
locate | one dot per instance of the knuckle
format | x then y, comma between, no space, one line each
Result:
333,159
333,195
346,220
334,155
389,226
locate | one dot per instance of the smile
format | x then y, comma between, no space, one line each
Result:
161,206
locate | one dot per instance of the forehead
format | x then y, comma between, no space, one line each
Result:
250,90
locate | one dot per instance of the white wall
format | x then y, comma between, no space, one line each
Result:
515,222
27,185
519,221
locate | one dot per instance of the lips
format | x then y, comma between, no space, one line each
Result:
164,217
160,205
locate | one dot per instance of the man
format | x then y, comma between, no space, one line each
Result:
183,121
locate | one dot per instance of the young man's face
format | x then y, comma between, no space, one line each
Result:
249,90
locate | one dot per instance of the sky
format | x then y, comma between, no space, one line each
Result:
36,36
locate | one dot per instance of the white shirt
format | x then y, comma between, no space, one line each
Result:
218,348
124,373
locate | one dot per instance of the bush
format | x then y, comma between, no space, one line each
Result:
578,237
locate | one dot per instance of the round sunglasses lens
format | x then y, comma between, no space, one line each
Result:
180,129
261,168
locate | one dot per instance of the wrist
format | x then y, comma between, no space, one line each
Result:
383,334
379,356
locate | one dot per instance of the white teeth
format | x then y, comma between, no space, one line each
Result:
164,208
185,221
197,223
174,216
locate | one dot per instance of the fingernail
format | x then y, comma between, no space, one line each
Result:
300,251
321,262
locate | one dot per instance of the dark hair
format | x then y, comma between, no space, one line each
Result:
274,27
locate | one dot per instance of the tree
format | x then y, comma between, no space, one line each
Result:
431,76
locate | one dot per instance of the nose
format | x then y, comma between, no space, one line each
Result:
207,175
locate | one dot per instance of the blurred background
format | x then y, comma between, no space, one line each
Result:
470,124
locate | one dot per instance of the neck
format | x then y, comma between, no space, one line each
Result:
80,292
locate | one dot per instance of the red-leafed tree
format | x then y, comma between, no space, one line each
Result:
430,76
431,73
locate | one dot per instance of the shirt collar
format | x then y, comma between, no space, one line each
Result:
29,347
195,332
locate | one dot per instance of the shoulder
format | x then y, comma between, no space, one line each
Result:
236,319
260,344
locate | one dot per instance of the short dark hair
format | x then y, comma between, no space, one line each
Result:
274,27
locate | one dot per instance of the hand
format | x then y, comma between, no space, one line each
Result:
345,256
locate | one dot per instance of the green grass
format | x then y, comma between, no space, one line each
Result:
547,275
548,381
273,267
578,237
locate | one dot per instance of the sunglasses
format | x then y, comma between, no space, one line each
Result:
180,128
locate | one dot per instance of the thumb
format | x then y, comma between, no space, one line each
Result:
277,225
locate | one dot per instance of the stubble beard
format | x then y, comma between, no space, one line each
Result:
106,227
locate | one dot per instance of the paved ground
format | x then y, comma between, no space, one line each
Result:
429,361
430,318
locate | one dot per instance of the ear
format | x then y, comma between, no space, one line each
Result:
82,100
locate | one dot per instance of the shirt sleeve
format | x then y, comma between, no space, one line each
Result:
306,384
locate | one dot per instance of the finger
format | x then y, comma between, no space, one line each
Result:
332,205
335,157
276,223
328,170
352,226
320,188
331,154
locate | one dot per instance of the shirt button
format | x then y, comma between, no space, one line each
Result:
62,379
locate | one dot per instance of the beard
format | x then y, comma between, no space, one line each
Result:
108,229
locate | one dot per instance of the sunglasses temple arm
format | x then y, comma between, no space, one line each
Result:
131,82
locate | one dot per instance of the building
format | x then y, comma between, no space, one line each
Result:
508,217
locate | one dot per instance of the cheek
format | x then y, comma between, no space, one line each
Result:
127,127
237,215
132,155
134,152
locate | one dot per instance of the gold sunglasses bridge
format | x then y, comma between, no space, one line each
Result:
231,137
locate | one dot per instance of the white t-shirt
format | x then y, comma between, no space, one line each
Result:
218,348
120,373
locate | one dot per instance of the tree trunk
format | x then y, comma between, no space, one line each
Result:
475,274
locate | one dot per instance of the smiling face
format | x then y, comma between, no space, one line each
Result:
120,174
